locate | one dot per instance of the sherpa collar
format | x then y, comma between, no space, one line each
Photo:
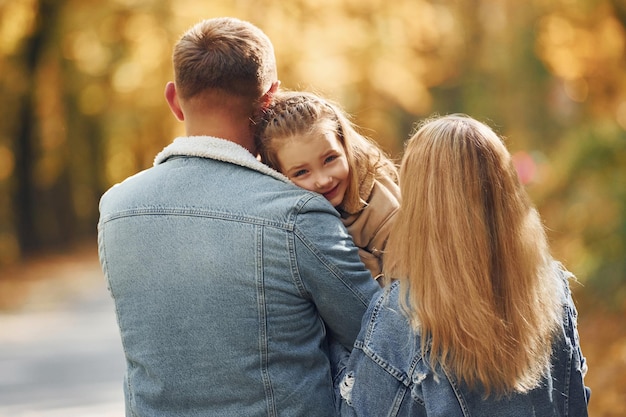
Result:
215,148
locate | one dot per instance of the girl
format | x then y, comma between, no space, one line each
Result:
480,320
312,142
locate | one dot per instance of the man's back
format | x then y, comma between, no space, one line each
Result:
226,282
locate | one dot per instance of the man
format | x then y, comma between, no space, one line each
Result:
228,280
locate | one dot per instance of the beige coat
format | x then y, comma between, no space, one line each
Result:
370,226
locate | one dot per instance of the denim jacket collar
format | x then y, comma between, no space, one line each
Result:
215,148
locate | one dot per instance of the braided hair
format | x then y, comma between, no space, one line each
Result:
301,113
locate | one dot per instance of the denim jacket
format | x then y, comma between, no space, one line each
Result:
227,281
387,375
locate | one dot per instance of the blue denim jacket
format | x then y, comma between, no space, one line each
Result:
227,281
386,374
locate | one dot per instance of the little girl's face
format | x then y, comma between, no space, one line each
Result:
317,163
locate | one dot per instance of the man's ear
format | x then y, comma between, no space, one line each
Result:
266,100
172,101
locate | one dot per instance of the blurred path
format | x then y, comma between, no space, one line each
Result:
60,353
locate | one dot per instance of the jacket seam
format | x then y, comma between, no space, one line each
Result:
263,328
197,212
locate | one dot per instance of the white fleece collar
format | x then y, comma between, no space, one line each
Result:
215,148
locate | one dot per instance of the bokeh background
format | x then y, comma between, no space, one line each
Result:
82,108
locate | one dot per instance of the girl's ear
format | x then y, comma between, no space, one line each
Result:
172,100
266,100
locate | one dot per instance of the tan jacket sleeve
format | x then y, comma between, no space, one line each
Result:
370,227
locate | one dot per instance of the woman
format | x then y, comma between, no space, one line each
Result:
480,320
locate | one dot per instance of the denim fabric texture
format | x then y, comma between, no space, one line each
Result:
228,281
386,375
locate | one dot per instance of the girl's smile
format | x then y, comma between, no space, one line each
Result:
316,162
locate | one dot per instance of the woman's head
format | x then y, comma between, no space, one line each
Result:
472,256
302,130
462,173
460,191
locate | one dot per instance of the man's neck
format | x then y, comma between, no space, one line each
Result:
223,126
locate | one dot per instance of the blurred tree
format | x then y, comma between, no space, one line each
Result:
582,196
82,84
29,201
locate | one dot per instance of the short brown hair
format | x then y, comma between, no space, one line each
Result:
225,54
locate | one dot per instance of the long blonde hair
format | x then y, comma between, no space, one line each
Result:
472,256
294,113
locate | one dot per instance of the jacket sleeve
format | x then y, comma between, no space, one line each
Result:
579,393
371,226
381,377
330,270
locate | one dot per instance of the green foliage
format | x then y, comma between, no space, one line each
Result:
593,187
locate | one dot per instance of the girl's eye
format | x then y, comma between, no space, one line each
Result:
330,158
299,173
